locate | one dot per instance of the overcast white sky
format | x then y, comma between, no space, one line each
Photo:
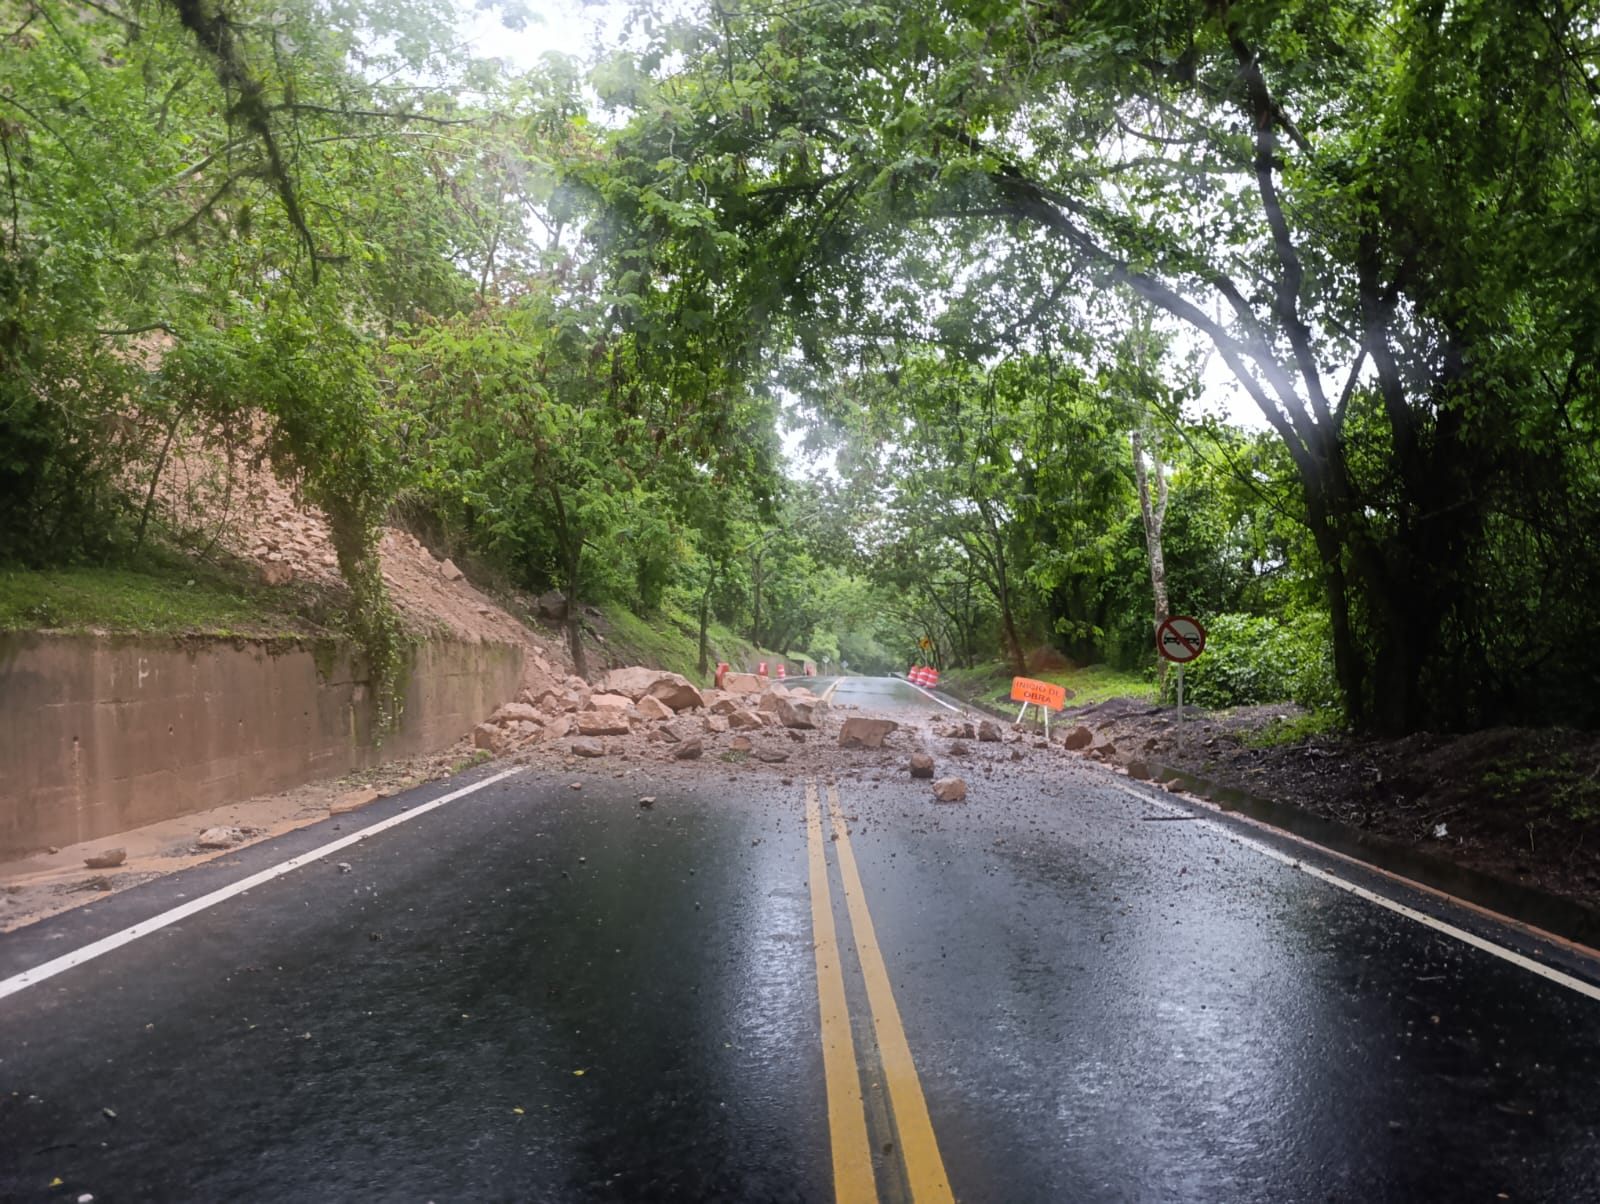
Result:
568,26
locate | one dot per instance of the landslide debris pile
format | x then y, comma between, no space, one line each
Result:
638,712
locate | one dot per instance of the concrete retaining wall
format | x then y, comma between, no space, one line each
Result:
102,734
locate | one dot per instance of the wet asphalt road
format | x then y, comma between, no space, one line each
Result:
539,993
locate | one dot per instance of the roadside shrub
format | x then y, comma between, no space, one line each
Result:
1251,660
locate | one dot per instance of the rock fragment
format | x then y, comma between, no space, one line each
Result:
921,765
608,721
1078,737
950,790
859,732
689,750
220,838
653,708
584,747
107,860
989,732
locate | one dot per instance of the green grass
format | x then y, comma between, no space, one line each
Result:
1096,683
169,599
1292,731
671,641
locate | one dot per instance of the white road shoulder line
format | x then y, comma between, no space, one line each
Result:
1361,892
67,961
935,697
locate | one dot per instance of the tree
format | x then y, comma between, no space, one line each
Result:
1361,189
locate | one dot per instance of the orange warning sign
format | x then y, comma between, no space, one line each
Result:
1040,693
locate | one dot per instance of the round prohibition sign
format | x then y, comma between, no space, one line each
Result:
1181,639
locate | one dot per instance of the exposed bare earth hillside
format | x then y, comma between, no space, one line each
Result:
239,508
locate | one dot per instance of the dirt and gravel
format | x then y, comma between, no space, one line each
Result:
1520,804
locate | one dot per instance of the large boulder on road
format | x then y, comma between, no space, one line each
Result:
797,713
651,707
859,732
608,721
677,691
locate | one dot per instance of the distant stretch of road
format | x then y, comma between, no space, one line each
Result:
800,983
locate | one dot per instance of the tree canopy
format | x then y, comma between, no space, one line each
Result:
984,257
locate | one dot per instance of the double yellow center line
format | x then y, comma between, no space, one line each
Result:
855,1181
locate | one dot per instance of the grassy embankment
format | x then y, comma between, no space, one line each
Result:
671,641
164,598
991,683
180,597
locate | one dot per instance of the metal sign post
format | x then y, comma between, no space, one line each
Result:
1180,639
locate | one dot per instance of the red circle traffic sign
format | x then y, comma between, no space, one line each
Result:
1181,639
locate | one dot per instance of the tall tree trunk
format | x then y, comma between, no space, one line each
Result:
571,545
705,621
1154,513
755,606
580,663
1002,595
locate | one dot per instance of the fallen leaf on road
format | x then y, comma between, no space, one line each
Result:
579,1073
519,1111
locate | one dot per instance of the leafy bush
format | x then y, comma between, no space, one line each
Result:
1250,660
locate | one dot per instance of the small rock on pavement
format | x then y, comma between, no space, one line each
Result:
858,732
772,756
647,800
689,750
958,749
108,860
220,838
989,732
588,748
741,744
921,765
352,800
950,790
1138,769
1078,737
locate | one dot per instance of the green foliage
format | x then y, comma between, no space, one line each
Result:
1252,659
1362,192
1297,729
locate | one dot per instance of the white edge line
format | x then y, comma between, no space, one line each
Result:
1361,892
935,697
49,969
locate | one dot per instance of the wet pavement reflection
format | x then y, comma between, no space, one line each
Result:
541,993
